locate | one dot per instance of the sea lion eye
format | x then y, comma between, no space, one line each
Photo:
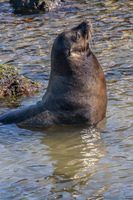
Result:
77,36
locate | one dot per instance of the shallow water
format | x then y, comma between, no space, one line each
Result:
70,162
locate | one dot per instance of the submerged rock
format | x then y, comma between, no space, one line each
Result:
11,83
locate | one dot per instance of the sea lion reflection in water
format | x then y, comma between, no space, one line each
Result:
76,92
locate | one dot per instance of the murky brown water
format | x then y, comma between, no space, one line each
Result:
70,162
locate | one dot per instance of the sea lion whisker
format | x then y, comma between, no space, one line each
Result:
85,44
90,39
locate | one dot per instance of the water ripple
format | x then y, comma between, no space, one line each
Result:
75,162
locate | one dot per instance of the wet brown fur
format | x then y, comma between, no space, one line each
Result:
76,93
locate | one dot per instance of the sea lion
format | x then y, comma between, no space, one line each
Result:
76,92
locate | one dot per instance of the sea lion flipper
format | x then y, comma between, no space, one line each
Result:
76,92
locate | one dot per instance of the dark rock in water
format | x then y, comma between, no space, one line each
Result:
32,6
11,83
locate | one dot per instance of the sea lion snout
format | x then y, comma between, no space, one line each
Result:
86,26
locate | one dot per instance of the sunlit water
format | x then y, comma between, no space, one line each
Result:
70,162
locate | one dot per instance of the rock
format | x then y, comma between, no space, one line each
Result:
34,5
11,83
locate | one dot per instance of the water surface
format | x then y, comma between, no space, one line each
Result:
70,162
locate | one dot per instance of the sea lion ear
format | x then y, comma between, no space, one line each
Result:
76,36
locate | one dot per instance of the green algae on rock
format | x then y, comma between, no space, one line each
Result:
11,83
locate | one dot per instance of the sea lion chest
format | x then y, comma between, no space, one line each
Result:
75,96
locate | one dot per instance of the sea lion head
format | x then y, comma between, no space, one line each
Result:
69,44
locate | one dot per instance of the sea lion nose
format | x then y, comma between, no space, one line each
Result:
85,27
88,25
87,21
